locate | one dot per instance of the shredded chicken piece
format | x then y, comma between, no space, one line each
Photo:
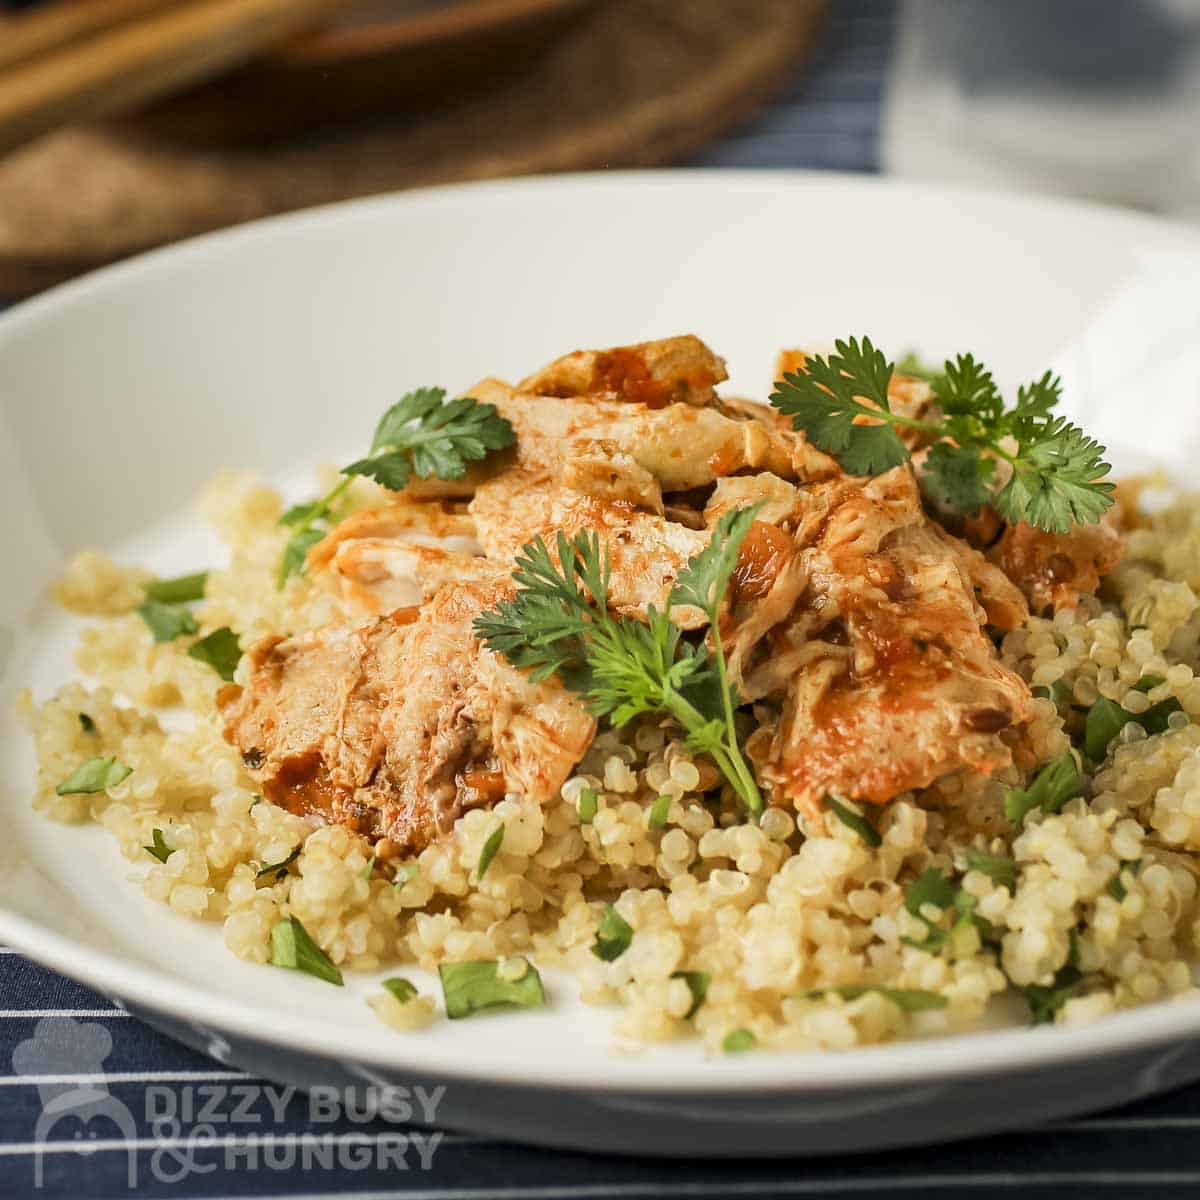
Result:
395,727
1055,570
645,551
921,691
678,370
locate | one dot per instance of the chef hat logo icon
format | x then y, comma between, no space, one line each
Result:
66,1058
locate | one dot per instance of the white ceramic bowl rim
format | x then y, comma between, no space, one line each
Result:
914,1062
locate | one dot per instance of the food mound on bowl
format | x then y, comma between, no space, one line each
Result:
800,724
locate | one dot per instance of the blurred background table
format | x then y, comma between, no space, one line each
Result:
827,116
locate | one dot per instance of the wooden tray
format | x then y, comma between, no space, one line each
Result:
632,83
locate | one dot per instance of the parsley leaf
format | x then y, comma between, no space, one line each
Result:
854,821
167,621
159,849
86,723
613,935
1057,472
220,650
95,775
1116,888
292,947
656,818
182,590
589,802
470,987
558,623
1056,783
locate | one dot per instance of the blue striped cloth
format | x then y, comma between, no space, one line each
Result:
256,1140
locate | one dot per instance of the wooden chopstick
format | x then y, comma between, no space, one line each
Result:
111,69
55,25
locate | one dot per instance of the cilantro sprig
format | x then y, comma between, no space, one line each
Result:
422,434
841,404
559,623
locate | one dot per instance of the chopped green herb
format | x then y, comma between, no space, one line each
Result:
400,988
95,775
558,623
182,590
588,803
656,818
279,869
912,364
1044,1002
852,820
1057,471
405,873
369,868
295,552
1106,718
490,847
1056,783
1116,889
739,1041
470,987
167,621
1148,683
86,723
292,947
697,982
613,935
159,849
220,650
908,999
253,803
1059,691
998,867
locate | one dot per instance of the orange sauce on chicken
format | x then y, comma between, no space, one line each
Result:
761,556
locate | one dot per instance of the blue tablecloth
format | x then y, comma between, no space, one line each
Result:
829,118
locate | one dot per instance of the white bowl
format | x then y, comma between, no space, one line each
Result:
274,347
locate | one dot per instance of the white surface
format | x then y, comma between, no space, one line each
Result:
278,344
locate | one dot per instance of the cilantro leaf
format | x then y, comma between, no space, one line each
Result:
181,590
167,622
852,820
399,988
1057,471
279,869
1045,1001
826,397
1106,718
220,650
1056,783
997,867
489,851
159,849
425,434
613,935
95,775
739,1041
558,623
293,947
956,480
471,987
697,982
